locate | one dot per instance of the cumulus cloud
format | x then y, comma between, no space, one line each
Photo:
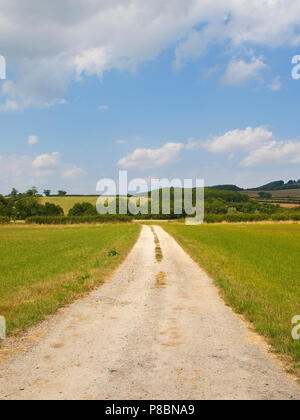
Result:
32,140
274,152
72,173
258,143
194,46
92,37
16,171
240,72
46,161
42,84
207,73
276,84
23,171
151,158
9,105
242,140
193,144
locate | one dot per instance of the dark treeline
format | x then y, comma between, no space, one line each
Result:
20,206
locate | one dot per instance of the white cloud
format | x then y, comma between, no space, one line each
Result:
9,105
121,141
151,158
24,171
46,161
207,73
16,171
274,152
193,144
72,173
243,140
92,61
259,143
276,84
94,36
42,84
194,46
103,108
240,72
32,140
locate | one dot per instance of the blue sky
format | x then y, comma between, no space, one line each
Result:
183,99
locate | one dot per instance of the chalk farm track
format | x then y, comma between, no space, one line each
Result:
153,331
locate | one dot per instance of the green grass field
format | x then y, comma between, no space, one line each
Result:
44,268
257,268
68,202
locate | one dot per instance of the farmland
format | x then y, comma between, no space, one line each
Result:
219,206
290,194
44,268
257,268
68,202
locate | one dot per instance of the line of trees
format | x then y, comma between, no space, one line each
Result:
228,204
20,206
33,192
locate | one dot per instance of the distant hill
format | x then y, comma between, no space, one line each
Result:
226,188
278,185
271,186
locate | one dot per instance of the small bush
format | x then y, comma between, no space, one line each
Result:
113,253
4,220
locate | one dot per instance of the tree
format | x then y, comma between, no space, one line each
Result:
50,209
33,192
264,194
47,193
13,193
27,207
5,208
83,209
218,207
62,193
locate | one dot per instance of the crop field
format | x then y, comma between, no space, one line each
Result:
281,194
257,268
44,268
68,202
287,206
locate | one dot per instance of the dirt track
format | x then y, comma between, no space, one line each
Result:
136,339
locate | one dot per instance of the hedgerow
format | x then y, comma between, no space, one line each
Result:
246,217
45,220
